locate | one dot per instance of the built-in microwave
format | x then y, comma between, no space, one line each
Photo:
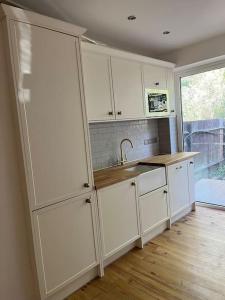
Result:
156,102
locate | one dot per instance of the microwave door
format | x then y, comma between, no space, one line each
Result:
152,103
156,102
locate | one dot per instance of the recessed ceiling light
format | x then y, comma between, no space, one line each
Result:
132,18
166,32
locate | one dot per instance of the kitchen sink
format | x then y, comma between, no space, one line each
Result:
150,177
142,168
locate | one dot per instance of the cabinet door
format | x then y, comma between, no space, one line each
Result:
127,88
119,216
191,181
97,86
178,187
170,86
154,209
53,122
65,242
155,77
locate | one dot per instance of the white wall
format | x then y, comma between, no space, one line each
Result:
194,53
16,277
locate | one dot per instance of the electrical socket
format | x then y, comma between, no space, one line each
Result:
151,141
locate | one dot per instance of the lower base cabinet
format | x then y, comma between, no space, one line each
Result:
191,181
154,209
118,216
65,237
178,183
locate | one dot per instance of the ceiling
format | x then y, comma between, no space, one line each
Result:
189,21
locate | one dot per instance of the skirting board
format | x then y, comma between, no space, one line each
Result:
78,283
154,232
120,253
150,235
184,212
95,271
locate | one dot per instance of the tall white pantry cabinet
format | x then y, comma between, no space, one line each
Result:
45,83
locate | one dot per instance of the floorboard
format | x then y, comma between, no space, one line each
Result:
184,263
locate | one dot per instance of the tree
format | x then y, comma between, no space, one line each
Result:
203,95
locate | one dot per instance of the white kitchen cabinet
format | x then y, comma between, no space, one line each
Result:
65,237
51,114
98,86
115,82
154,209
160,78
171,89
118,216
45,87
178,184
155,77
191,181
127,88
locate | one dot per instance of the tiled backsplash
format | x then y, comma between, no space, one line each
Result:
106,138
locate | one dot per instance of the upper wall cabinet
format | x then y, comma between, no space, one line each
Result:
127,87
155,77
98,89
170,87
52,119
160,78
115,81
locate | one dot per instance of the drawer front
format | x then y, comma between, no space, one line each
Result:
154,209
152,180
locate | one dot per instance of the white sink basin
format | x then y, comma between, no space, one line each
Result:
150,177
142,168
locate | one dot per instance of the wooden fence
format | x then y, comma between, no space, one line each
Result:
208,138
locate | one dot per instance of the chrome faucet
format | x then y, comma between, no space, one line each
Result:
123,157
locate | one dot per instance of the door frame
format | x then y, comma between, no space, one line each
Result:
188,70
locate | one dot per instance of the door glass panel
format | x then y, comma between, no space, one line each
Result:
203,112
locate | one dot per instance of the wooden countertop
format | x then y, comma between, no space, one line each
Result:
109,176
169,159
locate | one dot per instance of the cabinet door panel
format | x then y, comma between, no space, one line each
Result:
97,85
127,87
118,206
154,208
155,77
171,89
51,114
191,181
178,186
65,240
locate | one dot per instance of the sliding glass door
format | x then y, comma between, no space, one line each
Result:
203,113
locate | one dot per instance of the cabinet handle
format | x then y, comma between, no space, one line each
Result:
165,192
172,110
88,200
86,185
133,183
177,168
191,162
110,113
119,113
156,83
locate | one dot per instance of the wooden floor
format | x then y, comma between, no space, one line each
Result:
187,262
